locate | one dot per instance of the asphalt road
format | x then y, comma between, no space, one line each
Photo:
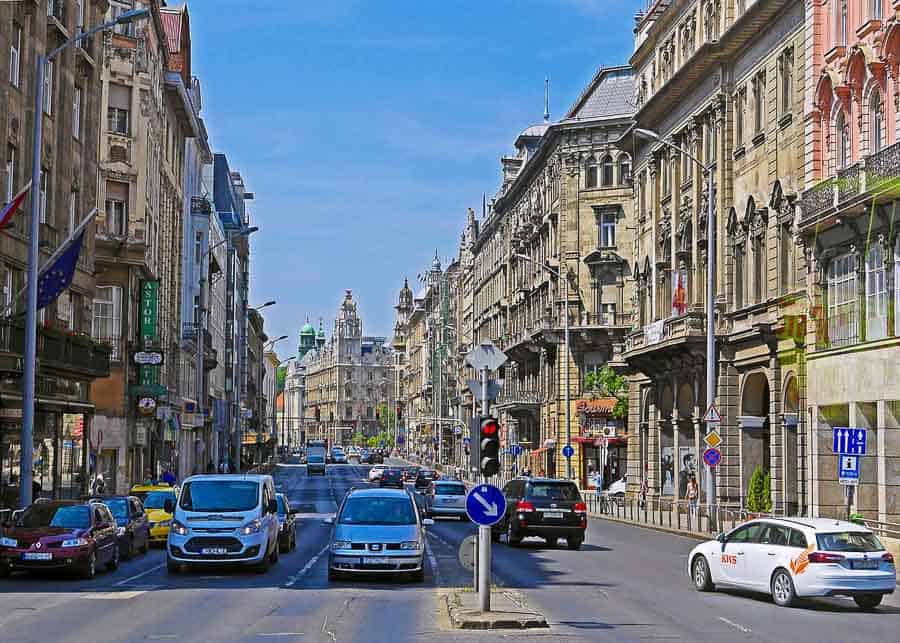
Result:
626,584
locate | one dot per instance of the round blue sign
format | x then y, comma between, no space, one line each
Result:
400,439
485,505
517,449
568,451
712,457
467,440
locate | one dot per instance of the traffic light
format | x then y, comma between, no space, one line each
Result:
399,412
490,447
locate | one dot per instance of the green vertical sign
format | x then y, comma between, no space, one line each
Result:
149,311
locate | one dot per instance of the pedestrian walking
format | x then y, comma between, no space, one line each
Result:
645,489
693,493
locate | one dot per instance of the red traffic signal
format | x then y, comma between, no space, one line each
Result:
490,447
489,428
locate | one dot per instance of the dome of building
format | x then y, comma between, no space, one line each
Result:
535,131
307,329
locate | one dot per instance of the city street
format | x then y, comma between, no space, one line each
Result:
626,583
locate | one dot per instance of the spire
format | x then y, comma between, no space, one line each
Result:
546,99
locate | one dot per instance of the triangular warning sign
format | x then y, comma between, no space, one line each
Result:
712,415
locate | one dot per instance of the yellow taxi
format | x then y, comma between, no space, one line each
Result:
154,497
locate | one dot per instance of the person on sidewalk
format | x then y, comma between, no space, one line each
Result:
645,489
693,494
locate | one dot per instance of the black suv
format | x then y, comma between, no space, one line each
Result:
391,478
543,507
424,478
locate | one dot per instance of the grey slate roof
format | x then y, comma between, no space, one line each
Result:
610,93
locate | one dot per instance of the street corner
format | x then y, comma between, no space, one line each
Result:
460,611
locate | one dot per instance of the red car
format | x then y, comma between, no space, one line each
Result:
60,535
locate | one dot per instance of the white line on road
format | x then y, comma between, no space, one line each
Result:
308,566
737,626
136,576
274,634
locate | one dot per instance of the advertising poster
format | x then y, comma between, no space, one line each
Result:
667,471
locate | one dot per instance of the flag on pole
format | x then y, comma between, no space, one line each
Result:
58,276
679,296
7,213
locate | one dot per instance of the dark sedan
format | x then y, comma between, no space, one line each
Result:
132,525
391,478
61,535
424,478
410,473
287,536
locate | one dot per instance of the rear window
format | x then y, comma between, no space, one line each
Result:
316,459
449,490
566,492
849,541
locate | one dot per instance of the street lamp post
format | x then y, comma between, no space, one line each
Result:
26,461
565,280
710,303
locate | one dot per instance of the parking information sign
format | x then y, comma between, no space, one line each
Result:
485,505
848,440
568,451
848,470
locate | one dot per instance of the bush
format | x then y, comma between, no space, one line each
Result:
759,495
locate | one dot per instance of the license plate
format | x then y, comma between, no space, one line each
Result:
864,564
212,551
553,514
376,561
37,556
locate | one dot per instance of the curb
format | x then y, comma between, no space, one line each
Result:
469,619
652,527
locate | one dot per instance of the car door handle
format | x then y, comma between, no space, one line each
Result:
771,553
740,553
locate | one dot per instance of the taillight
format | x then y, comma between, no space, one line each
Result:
888,558
524,505
580,506
822,557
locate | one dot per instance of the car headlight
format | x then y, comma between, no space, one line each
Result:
75,542
251,527
120,531
341,544
412,544
164,523
8,542
178,528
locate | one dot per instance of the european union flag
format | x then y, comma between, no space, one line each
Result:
55,279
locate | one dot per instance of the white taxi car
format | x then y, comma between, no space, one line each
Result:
791,558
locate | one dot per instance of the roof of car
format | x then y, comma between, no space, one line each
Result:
253,477
820,524
379,493
533,479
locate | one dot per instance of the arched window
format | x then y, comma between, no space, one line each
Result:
607,170
625,169
876,110
592,173
841,141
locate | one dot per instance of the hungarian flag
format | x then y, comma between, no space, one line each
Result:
9,210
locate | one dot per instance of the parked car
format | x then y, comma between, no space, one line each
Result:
159,519
792,558
338,456
411,473
224,519
543,507
376,472
378,531
446,498
132,525
391,477
60,535
424,478
365,456
287,535
142,490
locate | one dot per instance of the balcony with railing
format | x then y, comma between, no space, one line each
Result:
56,350
518,398
877,177
675,335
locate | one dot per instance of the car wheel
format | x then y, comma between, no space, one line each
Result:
263,566
146,546
783,589
129,551
90,568
5,570
868,601
334,575
276,552
574,542
700,574
418,576
113,563
172,567
511,538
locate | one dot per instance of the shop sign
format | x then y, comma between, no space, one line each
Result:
148,375
146,405
148,358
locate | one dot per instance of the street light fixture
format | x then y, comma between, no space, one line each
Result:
272,343
265,305
30,358
560,276
710,303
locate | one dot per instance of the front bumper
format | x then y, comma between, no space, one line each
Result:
240,549
159,534
448,510
387,563
68,558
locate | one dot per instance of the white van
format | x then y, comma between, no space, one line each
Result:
224,519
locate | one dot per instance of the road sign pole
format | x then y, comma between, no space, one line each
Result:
484,568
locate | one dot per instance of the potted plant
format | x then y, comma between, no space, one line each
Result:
759,493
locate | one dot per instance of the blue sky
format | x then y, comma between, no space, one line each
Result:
367,127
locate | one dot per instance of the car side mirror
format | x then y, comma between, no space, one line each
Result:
272,507
722,539
328,521
427,522
169,506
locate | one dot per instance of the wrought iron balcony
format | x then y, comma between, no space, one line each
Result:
56,350
519,397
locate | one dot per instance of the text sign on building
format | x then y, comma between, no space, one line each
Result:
848,440
148,375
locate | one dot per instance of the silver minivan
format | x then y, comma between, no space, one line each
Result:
224,519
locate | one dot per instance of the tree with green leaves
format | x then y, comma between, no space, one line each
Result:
607,383
759,493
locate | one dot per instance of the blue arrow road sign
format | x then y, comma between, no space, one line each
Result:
568,451
517,449
848,440
485,504
467,440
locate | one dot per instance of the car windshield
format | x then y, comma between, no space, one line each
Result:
373,510
220,495
118,507
316,459
64,517
157,499
450,490
849,541
553,491
280,500
426,474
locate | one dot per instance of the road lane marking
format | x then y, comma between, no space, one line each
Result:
737,626
276,634
308,566
113,596
142,574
